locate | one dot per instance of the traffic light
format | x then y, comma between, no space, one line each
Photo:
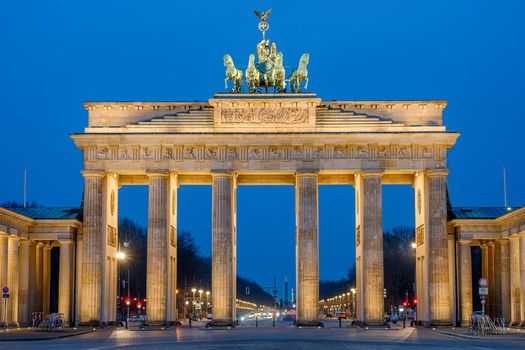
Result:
415,301
405,304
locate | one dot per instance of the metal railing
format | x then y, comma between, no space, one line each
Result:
484,325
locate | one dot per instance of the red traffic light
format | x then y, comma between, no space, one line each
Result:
405,303
415,301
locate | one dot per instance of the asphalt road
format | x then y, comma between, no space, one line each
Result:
283,336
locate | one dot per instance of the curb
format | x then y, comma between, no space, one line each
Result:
467,336
5,340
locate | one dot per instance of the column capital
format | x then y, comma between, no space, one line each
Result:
504,241
48,246
222,173
65,241
371,173
25,241
465,241
306,173
437,172
157,173
14,237
92,173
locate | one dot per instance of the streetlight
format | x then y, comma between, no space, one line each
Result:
200,303
413,245
207,302
121,256
193,290
353,291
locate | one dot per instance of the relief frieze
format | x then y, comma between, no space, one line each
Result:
272,152
264,115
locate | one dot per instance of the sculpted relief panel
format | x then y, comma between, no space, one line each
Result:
264,115
267,152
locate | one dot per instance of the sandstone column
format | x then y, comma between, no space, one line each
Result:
505,278
65,282
27,281
522,278
158,269
223,247
491,307
46,278
440,300
92,260
369,249
515,317
171,312
434,297
307,249
3,268
39,271
12,279
465,281
485,260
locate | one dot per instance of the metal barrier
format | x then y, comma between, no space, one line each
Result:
51,322
484,325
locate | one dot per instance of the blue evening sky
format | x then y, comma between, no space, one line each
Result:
56,54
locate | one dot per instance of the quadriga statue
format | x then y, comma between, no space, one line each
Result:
252,75
279,74
300,74
233,74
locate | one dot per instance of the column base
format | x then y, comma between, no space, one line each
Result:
317,324
156,323
221,324
371,323
429,324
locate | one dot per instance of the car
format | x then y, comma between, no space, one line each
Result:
329,315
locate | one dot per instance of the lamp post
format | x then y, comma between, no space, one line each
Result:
353,291
207,302
200,303
121,256
193,290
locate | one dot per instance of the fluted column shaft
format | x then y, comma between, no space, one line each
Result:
503,267
46,278
439,293
4,249
39,271
369,241
515,317
465,282
92,260
12,279
492,281
522,278
27,281
307,249
65,281
157,268
223,247
434,294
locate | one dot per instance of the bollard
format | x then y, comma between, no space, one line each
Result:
256,321
189,319
339,318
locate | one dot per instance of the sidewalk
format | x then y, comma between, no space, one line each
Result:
21,334
514,334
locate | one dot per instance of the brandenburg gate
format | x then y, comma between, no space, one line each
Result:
258,138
